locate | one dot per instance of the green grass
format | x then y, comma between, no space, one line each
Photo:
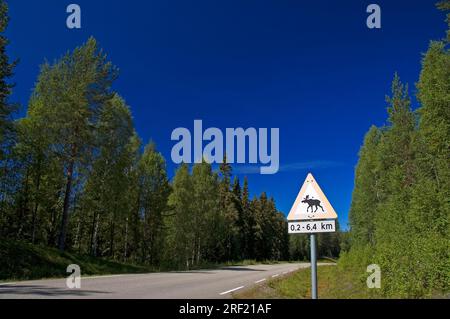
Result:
21,261
250,262
333,283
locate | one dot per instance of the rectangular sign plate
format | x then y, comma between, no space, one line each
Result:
311,227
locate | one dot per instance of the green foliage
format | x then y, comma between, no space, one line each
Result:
207,222
22,261
6,72
104,201
401,210
8,185
153,192
333,283
66,105
445,6
74,175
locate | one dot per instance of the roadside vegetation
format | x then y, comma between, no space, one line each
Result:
400,211
77,185
333,283
74,175
22,261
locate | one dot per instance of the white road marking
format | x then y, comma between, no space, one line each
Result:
259,281
232,290
285,273
275,276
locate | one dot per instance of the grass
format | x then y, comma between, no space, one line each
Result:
333,283
21,261
250,262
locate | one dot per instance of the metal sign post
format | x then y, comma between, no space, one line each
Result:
313,266
311,214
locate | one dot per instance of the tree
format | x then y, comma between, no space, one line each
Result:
248,223
397,157
6,72
154,190
445,6
68,98
181,222
109,181
240,222
402,184
229,210
7,171
206,211
270,230
430,206
367,192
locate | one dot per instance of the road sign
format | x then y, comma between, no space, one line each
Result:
312,213
311,203
311,227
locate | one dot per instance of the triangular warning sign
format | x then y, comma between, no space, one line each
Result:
311,203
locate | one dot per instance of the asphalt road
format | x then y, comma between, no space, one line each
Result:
207,284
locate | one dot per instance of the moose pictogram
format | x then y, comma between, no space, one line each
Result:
312,203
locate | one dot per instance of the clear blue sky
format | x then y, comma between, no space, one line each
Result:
311,68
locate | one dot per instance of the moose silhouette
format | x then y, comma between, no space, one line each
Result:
312,203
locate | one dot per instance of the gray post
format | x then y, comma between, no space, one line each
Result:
313,267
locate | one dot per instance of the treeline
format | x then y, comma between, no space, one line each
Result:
401,203
329,245
75,175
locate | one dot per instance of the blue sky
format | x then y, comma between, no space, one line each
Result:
311,68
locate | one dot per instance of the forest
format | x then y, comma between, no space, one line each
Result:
75,175
400,209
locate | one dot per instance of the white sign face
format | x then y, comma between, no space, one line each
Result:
311,227
311,203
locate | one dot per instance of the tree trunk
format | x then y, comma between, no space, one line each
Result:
111,238
65,215
24,207
125,249
95,235
36,206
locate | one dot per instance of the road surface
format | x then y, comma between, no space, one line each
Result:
199,284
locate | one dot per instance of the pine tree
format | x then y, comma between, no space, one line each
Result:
445,6
397,156
8,180
6,72
248,223
109,181
430,206
40,177
206,211
227,202
154,192
181,222
412,211
240,223
69,96
366,194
